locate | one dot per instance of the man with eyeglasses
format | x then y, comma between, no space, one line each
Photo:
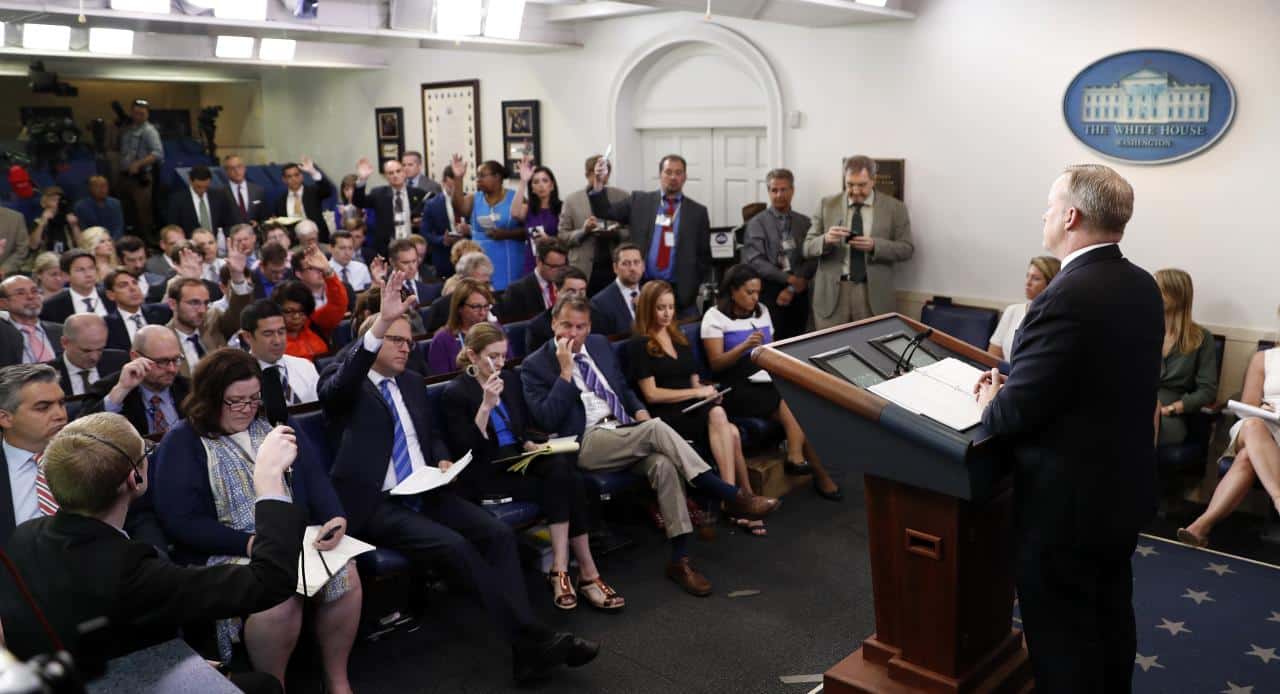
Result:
41,340
85,357
536,291
286,380
572,282
858,236
386,430
148,390
189,299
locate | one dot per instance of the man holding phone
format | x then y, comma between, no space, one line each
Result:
858,236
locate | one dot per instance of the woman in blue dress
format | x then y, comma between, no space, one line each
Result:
496,215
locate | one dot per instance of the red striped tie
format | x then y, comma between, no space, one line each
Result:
44,496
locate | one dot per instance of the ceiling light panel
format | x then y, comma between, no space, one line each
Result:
458,17
277,50
504,19
151,6
110,41
235,47
46,37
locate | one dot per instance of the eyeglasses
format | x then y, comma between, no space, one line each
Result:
243,404
556,266
477,307
398,340
167,363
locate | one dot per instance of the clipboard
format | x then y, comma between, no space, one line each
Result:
706,401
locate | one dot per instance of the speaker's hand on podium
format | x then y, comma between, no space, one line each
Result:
987,387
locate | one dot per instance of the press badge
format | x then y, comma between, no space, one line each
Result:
669,238
662,220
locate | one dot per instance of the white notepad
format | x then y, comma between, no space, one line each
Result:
428,477
1242,410
942,391
317,567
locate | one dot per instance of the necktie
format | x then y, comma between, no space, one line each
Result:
399,210
632,304
84,380
664,250
297,204
204,213
194,339
89,305
400,444
857,259
346,278
44,496
137,321
35,344
551,295
240,201
284,384
159,422
593,383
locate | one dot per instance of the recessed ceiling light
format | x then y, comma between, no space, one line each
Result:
504,18
277,50
46,37
458,17
111,41
240,47
873,3
250,10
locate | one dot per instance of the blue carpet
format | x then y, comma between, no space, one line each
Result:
1207,621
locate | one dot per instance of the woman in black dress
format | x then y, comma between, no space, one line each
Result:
661,364
485,414
736,325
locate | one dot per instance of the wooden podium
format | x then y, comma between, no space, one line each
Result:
939,517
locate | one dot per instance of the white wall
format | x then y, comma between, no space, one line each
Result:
976,175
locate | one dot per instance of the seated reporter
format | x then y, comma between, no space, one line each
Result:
383,433
571,281
205,499
469,305
298,305
737,324
486,414
662,366
1040,272
96,467
1189,370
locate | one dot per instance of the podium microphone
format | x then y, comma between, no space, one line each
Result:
904,359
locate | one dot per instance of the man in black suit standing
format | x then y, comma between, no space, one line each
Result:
378,411
1078,412
536,291
148,390
196,207
41,340
672,230
613,309
97,471
246,202
301,200
85,360
397,208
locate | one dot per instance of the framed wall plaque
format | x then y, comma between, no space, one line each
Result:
389,124
451,125
521,134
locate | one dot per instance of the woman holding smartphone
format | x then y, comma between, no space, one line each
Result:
543,219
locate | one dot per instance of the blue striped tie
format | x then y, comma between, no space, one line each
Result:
589,377
400,450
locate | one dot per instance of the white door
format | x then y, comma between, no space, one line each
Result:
726,166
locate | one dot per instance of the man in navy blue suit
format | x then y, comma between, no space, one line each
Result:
613,309
574,386
384,427
440,228
1078,412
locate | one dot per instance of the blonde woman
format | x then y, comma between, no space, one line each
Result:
1189,371
97,241
1040,272
459,249
48,274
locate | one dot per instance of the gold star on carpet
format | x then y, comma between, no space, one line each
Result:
1266,655
1200,596
1145,550
1219,569
1233,688
1146,662
1174,628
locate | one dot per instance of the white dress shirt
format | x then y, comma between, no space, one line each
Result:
358,275
22,483
1081,251
77,300
302,376
596,408
373,344
73,374
629,296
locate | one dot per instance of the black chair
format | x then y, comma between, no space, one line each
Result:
972,324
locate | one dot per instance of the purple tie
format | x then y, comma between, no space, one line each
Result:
593,382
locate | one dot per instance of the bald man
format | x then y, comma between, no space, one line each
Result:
148,390
85,359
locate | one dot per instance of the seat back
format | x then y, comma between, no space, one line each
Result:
164,310
693,333
315,434
972,324
516,334
341,335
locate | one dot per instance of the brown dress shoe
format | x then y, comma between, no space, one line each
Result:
750,506
693,582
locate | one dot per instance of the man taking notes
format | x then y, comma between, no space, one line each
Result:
1077,410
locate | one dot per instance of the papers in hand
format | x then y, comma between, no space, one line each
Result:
316,567
561,444
942,391
428,478
1242,410
760,376
706,401
284,221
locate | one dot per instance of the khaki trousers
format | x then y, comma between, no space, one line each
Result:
851,305
657,451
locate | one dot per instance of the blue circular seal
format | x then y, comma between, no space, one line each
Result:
1149,106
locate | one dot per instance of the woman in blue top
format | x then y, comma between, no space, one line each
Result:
496,215
205,501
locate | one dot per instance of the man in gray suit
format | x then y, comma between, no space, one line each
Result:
857,236
415,177
13,234
590,245
773,246
672,230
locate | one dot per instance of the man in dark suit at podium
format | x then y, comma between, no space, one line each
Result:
1078,411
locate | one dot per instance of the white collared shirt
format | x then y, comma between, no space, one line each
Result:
189,350
77,302
302,375
129,325
627,297
1081,251
357,273
595,408
195,204
73,375
373,344
22,483
241,189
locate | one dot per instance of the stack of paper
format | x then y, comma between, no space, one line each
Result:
942,391
316,567
1242,410
562,444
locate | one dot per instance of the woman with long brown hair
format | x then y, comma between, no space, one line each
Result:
1189,370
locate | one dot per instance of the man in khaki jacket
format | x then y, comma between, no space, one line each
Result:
857,236
590,247
13,233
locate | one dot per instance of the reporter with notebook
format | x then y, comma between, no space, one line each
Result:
79,564
485,414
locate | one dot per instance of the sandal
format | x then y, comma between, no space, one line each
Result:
600,596
756,528
1187,537
562,590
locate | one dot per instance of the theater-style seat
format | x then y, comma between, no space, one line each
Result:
164,311
972,324
341,335
516,332
756,433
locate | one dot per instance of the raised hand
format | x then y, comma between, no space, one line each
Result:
378,271
190,264
275,456
133,372
526,169
394,305
315,260
237,261
307,164
459,166
364,169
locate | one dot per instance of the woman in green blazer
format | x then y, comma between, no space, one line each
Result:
1189,371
